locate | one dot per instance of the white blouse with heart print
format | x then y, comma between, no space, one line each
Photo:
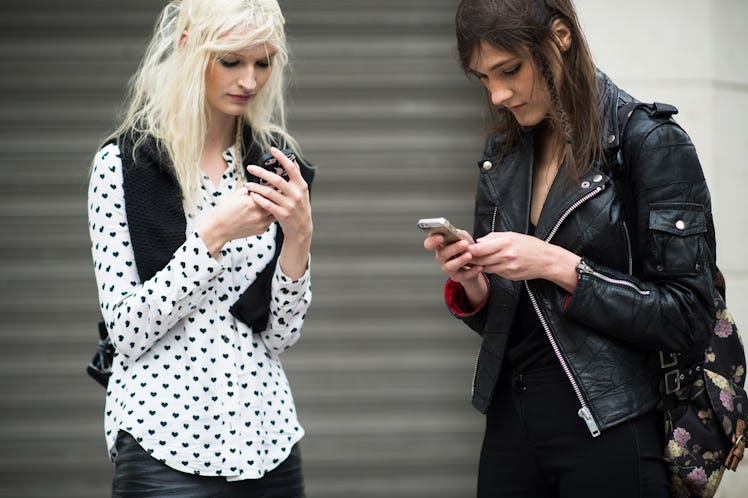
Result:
198,389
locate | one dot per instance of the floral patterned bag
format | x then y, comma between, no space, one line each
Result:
705,419
704,405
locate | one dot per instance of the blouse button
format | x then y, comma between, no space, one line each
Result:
585,184
611,139
487,165
597,178
680,225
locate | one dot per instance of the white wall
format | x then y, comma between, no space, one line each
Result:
692,54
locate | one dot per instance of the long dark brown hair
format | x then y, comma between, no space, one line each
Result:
523,28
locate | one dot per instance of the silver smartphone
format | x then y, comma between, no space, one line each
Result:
441,226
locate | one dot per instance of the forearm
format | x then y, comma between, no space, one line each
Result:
294,255
139,314
290,299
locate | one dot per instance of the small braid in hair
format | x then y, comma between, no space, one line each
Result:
545,69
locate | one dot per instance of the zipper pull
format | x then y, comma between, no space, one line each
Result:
586,415
583,267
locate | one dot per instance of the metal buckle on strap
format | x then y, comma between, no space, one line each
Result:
672,381
669,362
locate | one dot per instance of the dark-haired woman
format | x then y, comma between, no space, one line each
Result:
580,267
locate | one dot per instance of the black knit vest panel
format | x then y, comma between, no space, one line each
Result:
157,223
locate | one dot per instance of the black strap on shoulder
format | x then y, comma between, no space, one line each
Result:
656,110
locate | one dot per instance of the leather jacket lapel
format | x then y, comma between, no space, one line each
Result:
509,182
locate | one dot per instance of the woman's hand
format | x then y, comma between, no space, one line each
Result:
288,202
238,216
458,264
516,256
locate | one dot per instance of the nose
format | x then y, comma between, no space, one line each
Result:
247,80
499,93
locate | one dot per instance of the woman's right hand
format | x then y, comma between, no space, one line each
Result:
454,259
456,262
237,217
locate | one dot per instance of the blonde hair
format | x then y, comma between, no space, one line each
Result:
167,93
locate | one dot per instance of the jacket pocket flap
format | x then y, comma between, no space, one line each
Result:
678,219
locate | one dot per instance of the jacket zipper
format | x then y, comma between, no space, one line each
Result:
584,411
477,356
585,268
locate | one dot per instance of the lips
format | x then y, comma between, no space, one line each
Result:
241,97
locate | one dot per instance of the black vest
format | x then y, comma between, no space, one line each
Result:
157,223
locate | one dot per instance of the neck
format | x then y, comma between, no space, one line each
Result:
548,145
220,133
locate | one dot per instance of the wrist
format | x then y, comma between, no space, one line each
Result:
563,268
212,237
476,290
458,300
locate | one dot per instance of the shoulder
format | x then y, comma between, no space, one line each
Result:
659,152
110,151
496,143
107,163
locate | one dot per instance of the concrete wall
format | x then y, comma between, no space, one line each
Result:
692,54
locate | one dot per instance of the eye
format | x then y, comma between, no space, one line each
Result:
513,70
476,76
228,61
264,63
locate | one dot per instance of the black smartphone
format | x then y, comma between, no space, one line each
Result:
268,162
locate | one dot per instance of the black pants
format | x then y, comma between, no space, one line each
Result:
535,445
138,475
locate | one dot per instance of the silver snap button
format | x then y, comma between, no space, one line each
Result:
585,184
611,139
597,178
487,165
680,225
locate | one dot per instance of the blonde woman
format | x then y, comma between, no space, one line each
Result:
203,276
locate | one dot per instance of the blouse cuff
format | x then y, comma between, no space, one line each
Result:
457,301
280,279
195,245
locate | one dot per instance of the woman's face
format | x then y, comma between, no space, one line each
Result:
234,79
513,82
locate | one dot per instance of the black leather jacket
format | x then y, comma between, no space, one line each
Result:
645,283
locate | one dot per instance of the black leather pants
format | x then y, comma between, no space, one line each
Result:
138,475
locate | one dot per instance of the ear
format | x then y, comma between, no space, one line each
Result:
183,38
562,33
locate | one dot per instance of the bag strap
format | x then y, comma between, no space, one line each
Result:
672,375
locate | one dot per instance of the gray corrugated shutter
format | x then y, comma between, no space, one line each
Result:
382,375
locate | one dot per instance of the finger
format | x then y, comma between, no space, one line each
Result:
265,203
433,242
457,263
485,247
271,178
291,167
451,250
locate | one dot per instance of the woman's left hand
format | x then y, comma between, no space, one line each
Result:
288,202
516,256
